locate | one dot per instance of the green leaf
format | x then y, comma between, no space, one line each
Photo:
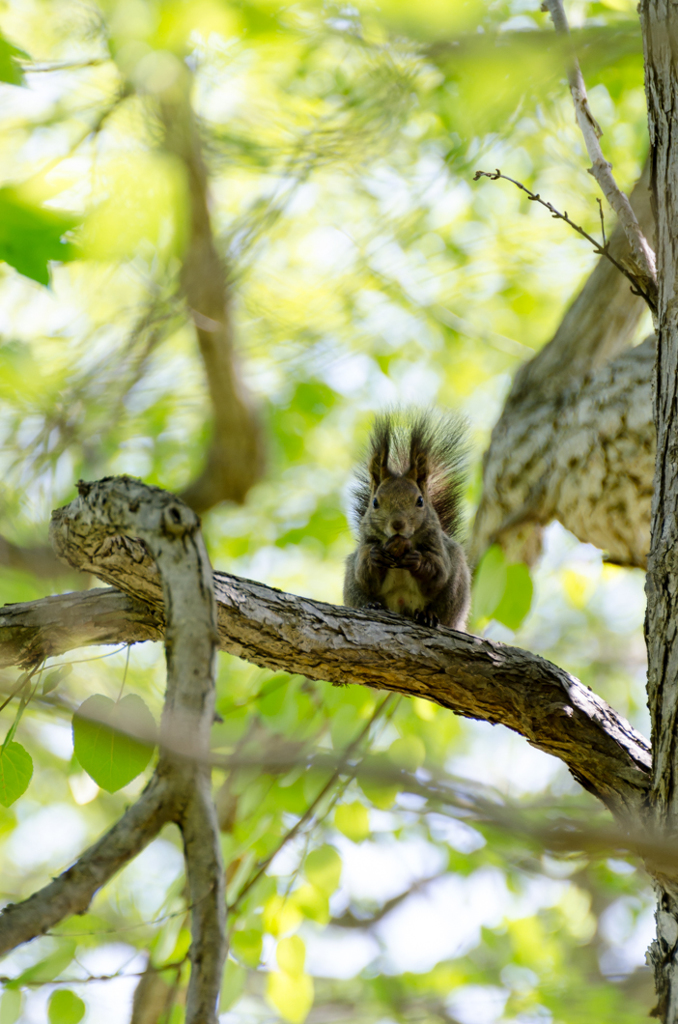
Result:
48,968
65,1007
102,743
291,995
408,752
16,770
381,796
517,599
55,678
291,955
11,1005
353,820
490,582
232,985
312,902
31,235
247,945
322,867
10,71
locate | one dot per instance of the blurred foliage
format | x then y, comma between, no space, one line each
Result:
366,269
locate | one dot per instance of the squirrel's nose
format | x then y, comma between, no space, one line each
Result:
397,525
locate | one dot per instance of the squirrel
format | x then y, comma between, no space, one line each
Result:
406,506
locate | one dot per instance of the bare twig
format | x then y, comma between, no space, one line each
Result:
601,169
308,813
638,283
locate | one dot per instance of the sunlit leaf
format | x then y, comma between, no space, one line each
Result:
16,770
102,743
312,902
50,967
281,915
10,69
322,867
246,945
65,1007
353,820
517,599
31,235
490,582
291,955
407,752
291,995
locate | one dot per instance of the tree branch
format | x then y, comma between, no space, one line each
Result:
170,534
473,677
206,885
235,455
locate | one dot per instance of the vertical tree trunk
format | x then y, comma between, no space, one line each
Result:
659,20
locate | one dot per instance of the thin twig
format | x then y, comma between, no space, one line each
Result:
601,169
638,284
340,768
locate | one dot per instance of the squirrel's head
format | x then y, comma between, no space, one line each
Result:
398,501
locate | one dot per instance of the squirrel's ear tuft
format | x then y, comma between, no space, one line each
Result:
380,445
419,455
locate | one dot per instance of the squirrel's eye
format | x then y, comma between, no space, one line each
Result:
420,502
375,503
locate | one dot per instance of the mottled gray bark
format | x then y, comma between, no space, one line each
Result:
584,457
659,20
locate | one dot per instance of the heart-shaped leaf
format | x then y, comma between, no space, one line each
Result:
16,769
107,739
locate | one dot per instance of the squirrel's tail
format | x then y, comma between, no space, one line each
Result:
400,437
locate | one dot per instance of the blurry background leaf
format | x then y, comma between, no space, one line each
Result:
31,235
65,1007
517,597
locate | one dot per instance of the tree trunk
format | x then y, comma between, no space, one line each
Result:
660,35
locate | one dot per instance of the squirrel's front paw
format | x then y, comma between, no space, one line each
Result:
426,618
375,606
381,559
412,561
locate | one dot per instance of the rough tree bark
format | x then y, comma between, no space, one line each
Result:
659,20
473,677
